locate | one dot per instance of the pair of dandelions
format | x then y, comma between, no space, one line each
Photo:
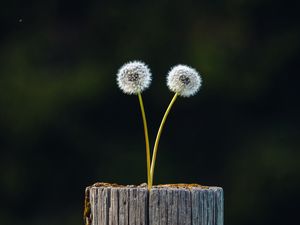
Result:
134,77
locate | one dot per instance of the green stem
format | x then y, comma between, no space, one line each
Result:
158,137
146,139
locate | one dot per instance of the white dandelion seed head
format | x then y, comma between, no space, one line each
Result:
184,80
134,77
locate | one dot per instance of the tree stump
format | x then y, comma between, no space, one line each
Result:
177,204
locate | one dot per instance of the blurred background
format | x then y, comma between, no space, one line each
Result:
65,125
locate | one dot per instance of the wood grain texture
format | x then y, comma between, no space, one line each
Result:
135,205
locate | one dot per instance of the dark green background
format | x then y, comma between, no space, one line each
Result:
64,124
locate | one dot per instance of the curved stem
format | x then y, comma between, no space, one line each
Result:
146,140
158,137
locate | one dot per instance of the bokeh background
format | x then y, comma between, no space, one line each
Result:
64,124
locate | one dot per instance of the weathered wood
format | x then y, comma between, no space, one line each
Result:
163,205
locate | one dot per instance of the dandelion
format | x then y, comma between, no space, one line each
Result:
133,78
184,81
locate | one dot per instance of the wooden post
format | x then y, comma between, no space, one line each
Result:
178,204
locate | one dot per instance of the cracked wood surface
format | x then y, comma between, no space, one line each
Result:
163,205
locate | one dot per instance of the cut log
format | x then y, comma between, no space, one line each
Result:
180,204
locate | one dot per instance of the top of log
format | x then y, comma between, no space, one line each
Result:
111,194
144,185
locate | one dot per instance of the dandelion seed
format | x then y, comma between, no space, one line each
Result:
134,77
184,80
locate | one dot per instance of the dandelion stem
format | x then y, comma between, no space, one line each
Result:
158,137
146,139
